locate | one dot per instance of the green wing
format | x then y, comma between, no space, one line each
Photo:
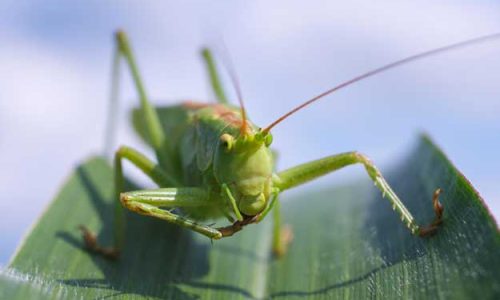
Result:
205,146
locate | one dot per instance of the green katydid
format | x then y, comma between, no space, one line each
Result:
216,163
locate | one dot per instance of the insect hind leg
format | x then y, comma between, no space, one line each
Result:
154,129
311,170
438,210
214,76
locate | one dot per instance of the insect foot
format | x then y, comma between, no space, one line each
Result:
92,245
438,210
237,226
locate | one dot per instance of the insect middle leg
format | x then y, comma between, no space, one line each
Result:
303,173
151,170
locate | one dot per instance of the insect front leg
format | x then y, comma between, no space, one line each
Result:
151,170
311,170
148,202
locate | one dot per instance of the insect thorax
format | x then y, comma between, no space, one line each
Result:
207,162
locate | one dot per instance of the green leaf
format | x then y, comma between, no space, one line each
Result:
348,243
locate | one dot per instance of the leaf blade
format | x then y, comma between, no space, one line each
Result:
348,243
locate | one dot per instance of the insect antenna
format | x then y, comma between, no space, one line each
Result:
383,69
227,62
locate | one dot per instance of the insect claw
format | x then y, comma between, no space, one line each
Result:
427,230
237,226
438,210
91,244
438,207
88,237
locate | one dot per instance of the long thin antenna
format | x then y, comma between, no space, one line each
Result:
385,68
228,64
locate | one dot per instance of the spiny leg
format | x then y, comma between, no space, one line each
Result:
153,124
151,170
311,170
214,77
148,203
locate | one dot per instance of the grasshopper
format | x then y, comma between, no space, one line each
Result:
215,163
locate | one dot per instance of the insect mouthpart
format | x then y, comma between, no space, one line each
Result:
264,136
252,205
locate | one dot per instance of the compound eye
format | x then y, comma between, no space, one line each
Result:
268,140
227,141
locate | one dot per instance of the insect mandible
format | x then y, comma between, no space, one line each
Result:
214,163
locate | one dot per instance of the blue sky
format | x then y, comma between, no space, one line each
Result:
55,59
